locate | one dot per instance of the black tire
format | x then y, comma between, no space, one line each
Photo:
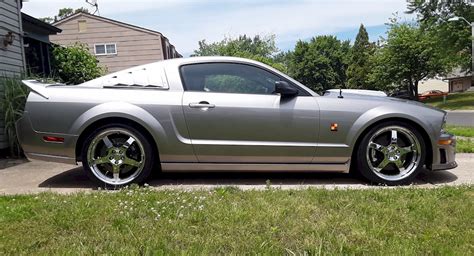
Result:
363,158
149,158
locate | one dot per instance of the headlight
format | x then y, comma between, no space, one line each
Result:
443,126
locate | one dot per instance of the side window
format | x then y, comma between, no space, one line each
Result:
228,78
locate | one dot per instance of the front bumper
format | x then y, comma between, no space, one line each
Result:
446,150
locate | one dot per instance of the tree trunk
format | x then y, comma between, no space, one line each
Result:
415,89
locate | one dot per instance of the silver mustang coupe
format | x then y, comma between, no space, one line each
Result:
228,114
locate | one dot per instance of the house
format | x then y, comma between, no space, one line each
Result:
433,84
12,58
24,47
117,45
36,45
459,81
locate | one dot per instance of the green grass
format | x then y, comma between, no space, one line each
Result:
466,144
229,221
455,101
464,131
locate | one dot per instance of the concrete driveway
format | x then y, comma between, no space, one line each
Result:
34,177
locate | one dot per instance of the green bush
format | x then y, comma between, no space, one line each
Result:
75,64
12,104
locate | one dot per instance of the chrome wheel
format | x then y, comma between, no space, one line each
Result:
116,156
393,153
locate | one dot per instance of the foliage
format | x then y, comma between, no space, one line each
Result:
465,138
63,13
407,56
259,48
228,221
454,101
75,64
360,66
453,38
321,63
12,104
465,145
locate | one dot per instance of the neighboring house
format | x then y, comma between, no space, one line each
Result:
459,81
37,45
433,84
117,45
24,47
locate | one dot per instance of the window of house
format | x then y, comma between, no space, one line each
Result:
105,49
82,24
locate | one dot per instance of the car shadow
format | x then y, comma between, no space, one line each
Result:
76,178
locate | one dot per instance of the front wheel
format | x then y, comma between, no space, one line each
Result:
391,153
117,155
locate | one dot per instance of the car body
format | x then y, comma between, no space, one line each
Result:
431,94
225,114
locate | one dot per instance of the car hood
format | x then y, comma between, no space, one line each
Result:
380,99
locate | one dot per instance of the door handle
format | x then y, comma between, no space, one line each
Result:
202,104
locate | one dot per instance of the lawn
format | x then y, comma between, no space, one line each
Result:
465,143
455,101
229,221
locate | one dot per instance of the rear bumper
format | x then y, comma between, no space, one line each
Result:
35,147
446,153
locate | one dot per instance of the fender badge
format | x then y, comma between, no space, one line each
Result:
334,127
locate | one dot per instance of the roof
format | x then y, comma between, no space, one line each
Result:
116,22
48,28
123,24
458,73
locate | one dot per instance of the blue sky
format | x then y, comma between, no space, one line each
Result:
185,22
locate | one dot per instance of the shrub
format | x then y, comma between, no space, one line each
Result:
12,104
75,64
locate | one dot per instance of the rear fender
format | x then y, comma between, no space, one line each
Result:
123,110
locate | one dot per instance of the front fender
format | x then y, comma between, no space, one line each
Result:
382,113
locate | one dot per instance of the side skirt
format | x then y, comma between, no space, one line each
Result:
223,167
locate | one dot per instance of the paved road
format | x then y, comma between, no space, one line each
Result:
36,176
464,118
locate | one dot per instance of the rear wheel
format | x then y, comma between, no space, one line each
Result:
391,153
117,155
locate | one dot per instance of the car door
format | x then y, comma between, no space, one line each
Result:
234,116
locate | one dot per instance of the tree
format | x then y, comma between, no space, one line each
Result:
408,55
75,64
258,48
63,13
320,64
453,38
359,65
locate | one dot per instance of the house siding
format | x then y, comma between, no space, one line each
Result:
460,84
134,47
12,60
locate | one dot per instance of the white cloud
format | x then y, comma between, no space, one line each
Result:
187,21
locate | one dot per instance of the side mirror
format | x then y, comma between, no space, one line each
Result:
285,90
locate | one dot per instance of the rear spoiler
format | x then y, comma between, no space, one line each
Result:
37,87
